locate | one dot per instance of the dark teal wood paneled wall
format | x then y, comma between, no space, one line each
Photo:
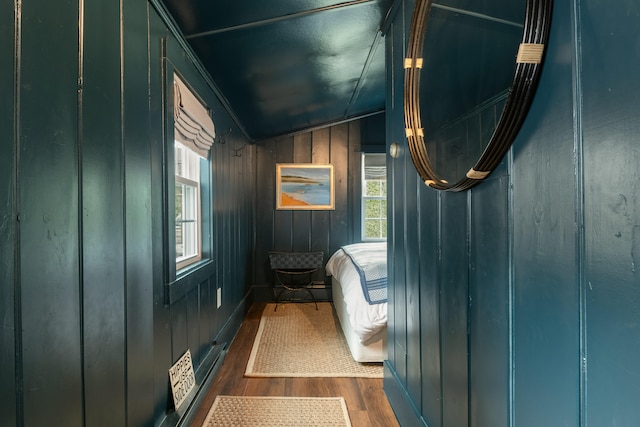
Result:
92,313
547,240
611,199
285,230
522,294
49,248
9,312
101,195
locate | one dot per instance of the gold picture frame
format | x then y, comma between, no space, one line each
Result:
304,186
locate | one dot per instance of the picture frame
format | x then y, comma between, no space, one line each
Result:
304,186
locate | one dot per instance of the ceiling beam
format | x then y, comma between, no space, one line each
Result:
277,19
477,15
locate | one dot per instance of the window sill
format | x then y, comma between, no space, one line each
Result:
187,279
192,267
186,263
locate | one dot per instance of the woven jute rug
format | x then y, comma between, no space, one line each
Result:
260,411
296,340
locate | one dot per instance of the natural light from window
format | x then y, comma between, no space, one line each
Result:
187,167
374,197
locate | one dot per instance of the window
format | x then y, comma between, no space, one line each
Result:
194,134
188,216
374,197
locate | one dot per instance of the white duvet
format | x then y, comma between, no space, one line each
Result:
366,319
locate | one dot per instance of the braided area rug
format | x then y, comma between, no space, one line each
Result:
260,411
296,340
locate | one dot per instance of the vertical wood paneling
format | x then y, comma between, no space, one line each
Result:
391,40
430,288
161,316
611,153
48,192
179,329
232,229
137,199
218,157
354,169
8,214
302,148
206,321
395,200
320,230
232,194
224,231
301,226
546,301
283,219
244,231
399,290
235,162
402,293
218,163
224,193
454,292
95,334
489,304
102,208
218,232
320,220
339,157
244,226
265,205
553,296
206,316
193,324
412,268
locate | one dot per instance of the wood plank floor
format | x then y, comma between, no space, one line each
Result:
365,398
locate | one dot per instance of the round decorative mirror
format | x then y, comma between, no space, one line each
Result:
470,75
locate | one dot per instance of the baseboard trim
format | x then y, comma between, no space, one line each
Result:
208,369
401,403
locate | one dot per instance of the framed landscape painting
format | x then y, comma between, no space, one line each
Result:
301,186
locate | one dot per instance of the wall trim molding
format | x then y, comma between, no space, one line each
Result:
403,407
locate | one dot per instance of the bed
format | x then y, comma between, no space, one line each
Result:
363,317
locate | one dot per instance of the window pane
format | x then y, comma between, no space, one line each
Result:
186,221
372,188
187,163
179,228
187,204
374,193
372,229
179,161
372,209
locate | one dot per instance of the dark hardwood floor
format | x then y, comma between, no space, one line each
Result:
365,398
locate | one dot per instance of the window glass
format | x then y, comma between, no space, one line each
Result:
374,197
187,215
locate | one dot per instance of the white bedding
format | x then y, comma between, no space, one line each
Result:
365,319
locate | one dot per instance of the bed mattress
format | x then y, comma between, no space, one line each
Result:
364,324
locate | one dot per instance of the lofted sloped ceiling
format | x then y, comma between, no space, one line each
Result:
285,66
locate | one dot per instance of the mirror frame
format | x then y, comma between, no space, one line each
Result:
528,66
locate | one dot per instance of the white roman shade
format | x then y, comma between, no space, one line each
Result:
193,125
375,166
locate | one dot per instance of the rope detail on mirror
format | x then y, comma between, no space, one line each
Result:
527,68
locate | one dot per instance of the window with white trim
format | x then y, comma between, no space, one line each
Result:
194,134
188,204
374,197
